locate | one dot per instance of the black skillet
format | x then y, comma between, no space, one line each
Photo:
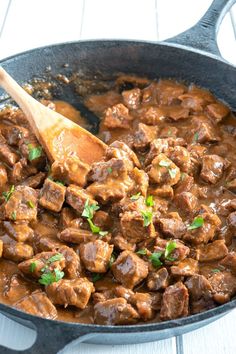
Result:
192,56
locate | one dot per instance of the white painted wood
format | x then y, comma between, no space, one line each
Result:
119,19
3,9
226,39
216,338
36,23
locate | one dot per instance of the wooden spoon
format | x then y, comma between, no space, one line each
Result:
59,136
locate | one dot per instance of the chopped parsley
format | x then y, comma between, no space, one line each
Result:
149,201
96,277
32,267
147,217
13,215
89,209
197,222
103,233
7,195
109,170
48,277
172,172
183,176
55,258
30,204
112,259
170,247
215,270
34,152
155,259
164,163
96,229
195,137
142,252
135,196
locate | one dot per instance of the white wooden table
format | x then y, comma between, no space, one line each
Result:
26,24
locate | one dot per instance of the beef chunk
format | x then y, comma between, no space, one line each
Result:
164,191
132,98
157,147
163,171
133,229
102,220
117,116
39,262
185,184
200,292
174,302
224,286
217,111
96,255
17,287
230,262
196,99
178,254
77,197
123,244
3,175
22,204
52,195
16,251
203,131
181,157
212,251
66,217
143,302
6,154
37,304
186,201
14,133
70,170
115,312
206,232
231,220
34,181
72,262
112,180
186,267
158,280
212,168
120,150
19,231
141,180
1,248
21,170
129,269
143,136
75,292
75,235
46,243
152,115
172,226
168,91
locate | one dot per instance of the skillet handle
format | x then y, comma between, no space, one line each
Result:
51,338
203,36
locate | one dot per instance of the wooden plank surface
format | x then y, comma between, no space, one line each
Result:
32,23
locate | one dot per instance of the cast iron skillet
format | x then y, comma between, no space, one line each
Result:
192,56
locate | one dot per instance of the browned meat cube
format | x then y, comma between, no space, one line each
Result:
6,155
16,251
115,312
203,131
217,111
46,243
22,204
157,147
212,168
224,286
19,231
3,175
70,170
77,197
167,132
111,180
74,235
181,157
133,227
17,287
200,292
176,112
120,150
164,191
172,226
132,98
75,292
144,135
143,302
229,262
212,251
52,195
21,170
178,254
158,280
72,262
66,217
185,268
168,91
231,220
37,304
123,244
185,184
174,302
14,133
196,99
152,115
96,255
206,232
186,201
117,116
102,219
163,171
35,181
1,248
35,265
130,275
141,180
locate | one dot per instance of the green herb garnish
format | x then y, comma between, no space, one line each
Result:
32,267
155,259
34,152
195,137
164,163
147,217
171,246
51,277
96,229
135,196
112,259
13,215
89,209
103,233
172,172
197,222
30,204
7,195
142,252
96,277
109,170
55,258
215,270
149,201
